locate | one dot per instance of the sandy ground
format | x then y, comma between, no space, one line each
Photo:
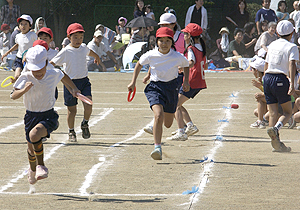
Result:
113,169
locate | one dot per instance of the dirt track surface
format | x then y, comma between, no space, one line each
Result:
113,169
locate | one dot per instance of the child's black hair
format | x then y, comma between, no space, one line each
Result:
201,42
25,20
173,43
41,33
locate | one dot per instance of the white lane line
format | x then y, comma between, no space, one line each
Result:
10,127
207,166
95,194
89,177
93,122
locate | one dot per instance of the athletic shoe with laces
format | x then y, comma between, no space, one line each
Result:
72,136
191,130
85,130
258,124
149,129
41,172
179,137
283,148
275,140
156,154
292,123
174,132
31,176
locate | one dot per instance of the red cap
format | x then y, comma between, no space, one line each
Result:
46,30
5,27
40,42
75,27
164,32
193,29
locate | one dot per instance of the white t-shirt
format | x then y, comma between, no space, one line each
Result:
75,60
41,96
164,67
51,54
99,50
25,41
280,52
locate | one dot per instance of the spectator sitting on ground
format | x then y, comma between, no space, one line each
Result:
105,40
121,29
139,35
5,36
264,25
237,46
266,38
265,13
281,12
249,38
223,42
296,9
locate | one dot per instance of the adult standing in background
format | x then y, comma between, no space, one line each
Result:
197,14
240,16
265,13
10,13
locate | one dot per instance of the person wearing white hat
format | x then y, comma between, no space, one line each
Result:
37,86
280,64
24,41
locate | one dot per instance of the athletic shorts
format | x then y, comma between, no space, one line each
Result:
18,63
49,119
191,93
276,87
180,80
83,85
164,93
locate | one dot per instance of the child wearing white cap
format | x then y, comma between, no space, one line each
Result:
37,86
280,64
24,41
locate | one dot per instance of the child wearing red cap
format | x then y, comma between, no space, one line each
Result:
196,55
46,34
4,38
24,41
73,57
162,92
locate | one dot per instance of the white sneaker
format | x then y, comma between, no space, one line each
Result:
179,137
149,129
174,132
258,124
191,130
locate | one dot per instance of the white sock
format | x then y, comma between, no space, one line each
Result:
190,124
278,125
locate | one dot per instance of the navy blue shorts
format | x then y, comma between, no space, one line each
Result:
180,80
83,85
276,87
18,63
164,93
191,93
49,119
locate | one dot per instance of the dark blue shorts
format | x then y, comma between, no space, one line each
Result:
18,63
191,93
276,87
164,93
83,85
180,80
49,119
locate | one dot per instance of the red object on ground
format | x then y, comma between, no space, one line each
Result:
234,106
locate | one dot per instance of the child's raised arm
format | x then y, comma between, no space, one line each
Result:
136,72
15,47
17,93
70,85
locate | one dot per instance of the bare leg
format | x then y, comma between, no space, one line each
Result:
87,109
158,122
72,110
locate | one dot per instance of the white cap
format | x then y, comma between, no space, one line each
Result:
25,17
258,64
98,33
284,27
98,26
36,58
167,18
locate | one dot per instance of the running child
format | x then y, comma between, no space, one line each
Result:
74,58
162,92
280,64
46,34
196,55
24,41
37,88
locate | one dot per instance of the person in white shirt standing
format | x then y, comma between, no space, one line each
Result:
37,88
280,64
